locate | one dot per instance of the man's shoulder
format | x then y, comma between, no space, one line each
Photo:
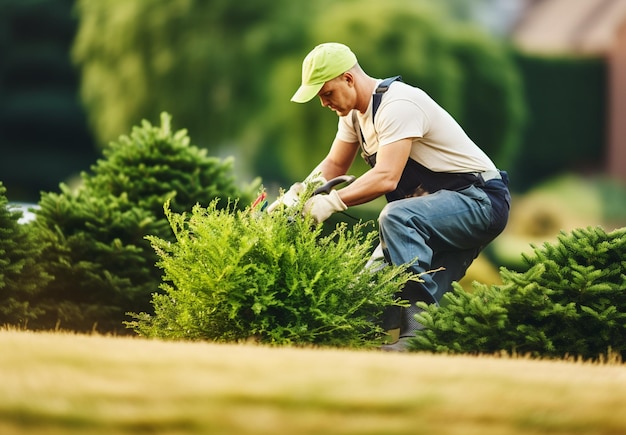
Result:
407,96
399,89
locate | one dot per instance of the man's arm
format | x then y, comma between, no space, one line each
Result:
338,160
382,178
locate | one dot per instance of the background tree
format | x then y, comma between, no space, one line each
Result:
466,71
227,70
205,62
567,122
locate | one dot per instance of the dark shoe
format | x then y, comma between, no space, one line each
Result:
408,327
403,318
402,345
391,318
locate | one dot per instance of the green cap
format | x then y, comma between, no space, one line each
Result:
323,63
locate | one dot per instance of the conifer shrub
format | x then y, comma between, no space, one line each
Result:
21,273
95,240
571,301
274,278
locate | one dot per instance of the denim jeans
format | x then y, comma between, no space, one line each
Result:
446,229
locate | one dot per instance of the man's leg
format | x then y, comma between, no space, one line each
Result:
451,266
443,229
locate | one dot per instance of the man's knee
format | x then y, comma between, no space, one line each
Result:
392,215
383,217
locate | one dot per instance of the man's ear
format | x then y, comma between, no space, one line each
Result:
349,78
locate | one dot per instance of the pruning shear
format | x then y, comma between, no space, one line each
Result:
328,186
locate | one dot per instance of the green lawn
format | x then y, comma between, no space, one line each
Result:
57,383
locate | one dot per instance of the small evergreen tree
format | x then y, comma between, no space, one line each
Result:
239,275
21,274
102,264
570,301
155,164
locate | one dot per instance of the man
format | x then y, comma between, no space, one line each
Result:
446,198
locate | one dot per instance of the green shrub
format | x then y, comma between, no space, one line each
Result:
155,164
570,301
241,275
96,249
21,273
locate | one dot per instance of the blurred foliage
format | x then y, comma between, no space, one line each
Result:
466,71
227,71
43,128
567,104
559,204
206,62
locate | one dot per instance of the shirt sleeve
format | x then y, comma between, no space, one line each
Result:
400,119
345,129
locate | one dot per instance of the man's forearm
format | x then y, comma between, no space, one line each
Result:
367,187
328,170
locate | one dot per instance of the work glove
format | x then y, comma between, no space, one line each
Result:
291,197
320,207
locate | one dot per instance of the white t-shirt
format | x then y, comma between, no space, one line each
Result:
439,142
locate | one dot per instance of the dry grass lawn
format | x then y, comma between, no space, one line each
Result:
58,383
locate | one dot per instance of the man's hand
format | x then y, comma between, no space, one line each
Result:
320,207
289,199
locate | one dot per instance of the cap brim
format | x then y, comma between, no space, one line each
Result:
306,93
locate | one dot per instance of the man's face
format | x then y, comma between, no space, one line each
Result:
339,94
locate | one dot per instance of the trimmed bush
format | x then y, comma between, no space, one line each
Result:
247,275
570,302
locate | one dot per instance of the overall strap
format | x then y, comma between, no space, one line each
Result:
376,99
380,90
